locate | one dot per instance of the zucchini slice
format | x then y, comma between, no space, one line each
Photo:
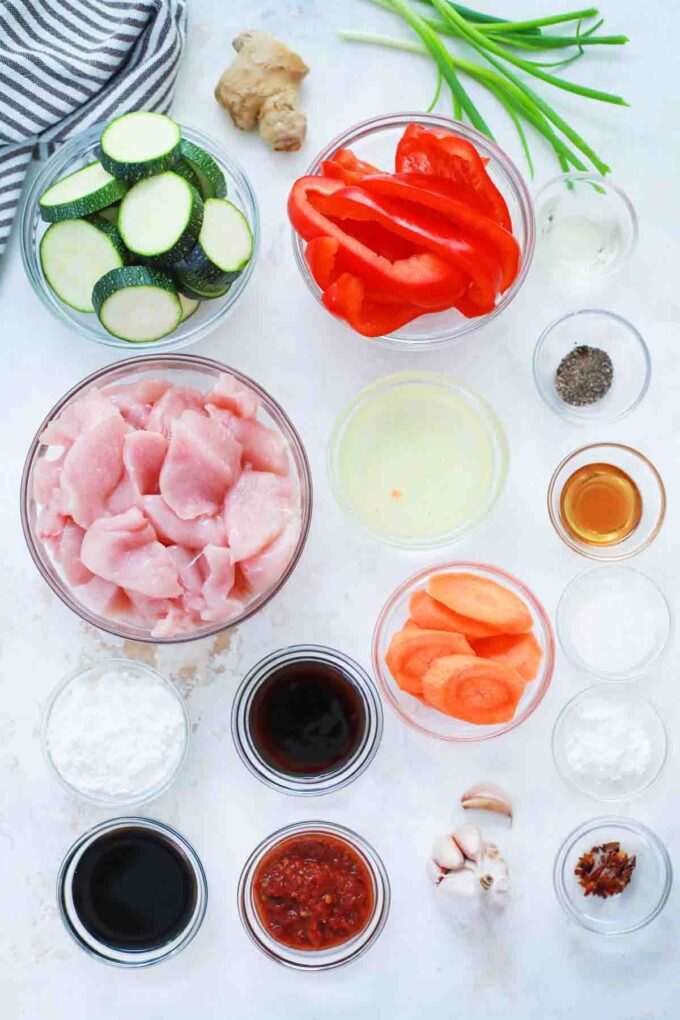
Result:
212,181
189,306
185,170
74,254
83,192
224,248
137,303
206,292
160,218
110,213
140,144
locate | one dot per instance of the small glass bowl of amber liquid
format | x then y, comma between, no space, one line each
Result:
607,501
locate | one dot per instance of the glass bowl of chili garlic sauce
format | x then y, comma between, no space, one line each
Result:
307,720
132,892
314,896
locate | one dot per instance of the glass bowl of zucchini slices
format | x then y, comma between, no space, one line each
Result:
140,231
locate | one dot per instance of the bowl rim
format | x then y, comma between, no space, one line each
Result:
493,427
518,186
172,361
486,569
120,662
307,960
68,153
577,662
564,410
608,690
608,184
615,822
595,552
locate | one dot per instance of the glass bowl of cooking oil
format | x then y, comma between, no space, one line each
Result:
607,501
586,227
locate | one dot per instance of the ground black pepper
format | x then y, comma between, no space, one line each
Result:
584,376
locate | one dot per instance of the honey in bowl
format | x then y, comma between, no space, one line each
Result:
600,505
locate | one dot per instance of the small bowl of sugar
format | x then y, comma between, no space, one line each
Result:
609,744
116,733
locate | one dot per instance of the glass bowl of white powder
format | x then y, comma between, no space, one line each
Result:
609,744
116,733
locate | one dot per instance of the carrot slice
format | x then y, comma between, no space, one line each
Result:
474,690
412,652
411,625
483,600
521,651
433,615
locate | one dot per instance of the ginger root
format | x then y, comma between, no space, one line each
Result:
262,88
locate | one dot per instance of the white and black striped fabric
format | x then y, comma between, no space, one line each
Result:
68,64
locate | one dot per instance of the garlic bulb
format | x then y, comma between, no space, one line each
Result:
482,874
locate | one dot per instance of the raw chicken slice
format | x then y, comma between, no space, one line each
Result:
92,469
143,456
256,511
203,460
67,554
47,479
144,611
74,419
260,572
192,534
263,449
98,595
124,497
50,522
231,394
219,582
189,568
124,550
135,400
177,621
171,406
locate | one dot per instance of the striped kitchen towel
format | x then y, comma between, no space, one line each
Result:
67,64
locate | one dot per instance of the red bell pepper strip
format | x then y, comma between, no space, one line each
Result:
345,166
320,256
347,299
471,256
444,154
433,193
423,279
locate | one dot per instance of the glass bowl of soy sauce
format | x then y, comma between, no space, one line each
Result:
132,892
307,720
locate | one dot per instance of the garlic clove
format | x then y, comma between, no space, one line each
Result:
488,797
460,883
434,872
469,839
447,854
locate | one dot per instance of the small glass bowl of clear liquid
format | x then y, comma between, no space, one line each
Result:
586,226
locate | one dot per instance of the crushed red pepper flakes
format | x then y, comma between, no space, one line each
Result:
605,870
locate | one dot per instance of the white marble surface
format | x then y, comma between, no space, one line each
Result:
533,964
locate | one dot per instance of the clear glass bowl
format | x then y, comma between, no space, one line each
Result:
98,669
609,332
597,718
375,140
642,900
312,960
645,476
80,151
327,782
428,720
614,623
187,370
586,226
426,388
132,959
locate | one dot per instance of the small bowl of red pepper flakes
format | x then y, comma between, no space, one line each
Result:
313,896
413,229
613,875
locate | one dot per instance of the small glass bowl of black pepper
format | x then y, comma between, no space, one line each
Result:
307,720
591,366
132,892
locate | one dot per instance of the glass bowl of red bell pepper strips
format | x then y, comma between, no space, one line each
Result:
413,229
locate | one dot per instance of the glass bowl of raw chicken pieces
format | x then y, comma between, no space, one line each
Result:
166,498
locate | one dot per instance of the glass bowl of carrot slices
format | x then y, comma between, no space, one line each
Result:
412,229
463,651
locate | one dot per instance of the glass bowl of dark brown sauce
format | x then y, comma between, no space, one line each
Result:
307,720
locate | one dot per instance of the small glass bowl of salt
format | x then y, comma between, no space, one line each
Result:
116,733
609,744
